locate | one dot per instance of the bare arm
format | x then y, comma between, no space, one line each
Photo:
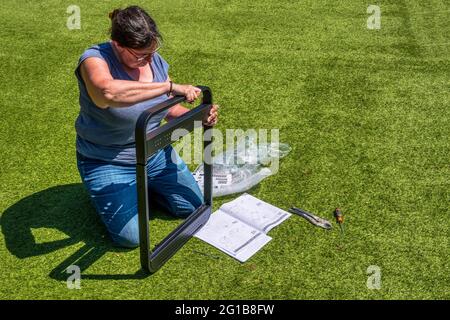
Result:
108,92
176,111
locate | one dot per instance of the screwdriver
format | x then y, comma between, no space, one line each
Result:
339,219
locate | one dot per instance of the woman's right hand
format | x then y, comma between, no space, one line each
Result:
190,92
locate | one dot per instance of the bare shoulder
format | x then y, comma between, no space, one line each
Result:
93,66
96,76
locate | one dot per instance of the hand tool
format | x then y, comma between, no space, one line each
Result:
313,219
339,219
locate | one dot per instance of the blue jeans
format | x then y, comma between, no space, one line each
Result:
112,189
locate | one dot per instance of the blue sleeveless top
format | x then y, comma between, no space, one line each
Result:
108,134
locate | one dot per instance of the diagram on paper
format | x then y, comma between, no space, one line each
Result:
234,234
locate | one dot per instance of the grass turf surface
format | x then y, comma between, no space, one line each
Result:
365,111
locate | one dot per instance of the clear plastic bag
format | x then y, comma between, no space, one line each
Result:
243,167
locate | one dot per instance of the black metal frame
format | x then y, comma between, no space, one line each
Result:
148,144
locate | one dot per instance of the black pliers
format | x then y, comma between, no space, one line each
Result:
315,220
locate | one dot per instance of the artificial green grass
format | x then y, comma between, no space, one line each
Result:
365,111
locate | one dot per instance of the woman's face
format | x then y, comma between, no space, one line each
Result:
135,58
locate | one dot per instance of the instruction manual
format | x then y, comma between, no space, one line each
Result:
239,228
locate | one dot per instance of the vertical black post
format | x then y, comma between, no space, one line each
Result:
207,156
143,217
207,165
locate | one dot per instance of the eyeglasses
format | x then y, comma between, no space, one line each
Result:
143,56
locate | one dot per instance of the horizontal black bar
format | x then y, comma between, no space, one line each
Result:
162,136
144,118
142,122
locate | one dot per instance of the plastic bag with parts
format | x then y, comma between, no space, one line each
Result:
244,166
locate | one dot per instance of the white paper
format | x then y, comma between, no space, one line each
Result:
232,236
255,212
239,227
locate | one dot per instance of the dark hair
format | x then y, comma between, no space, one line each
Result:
132,27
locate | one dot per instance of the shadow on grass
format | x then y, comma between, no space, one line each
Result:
67,209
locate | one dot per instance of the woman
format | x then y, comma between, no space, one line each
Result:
118,80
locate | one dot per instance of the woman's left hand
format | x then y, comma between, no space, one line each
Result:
213,116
